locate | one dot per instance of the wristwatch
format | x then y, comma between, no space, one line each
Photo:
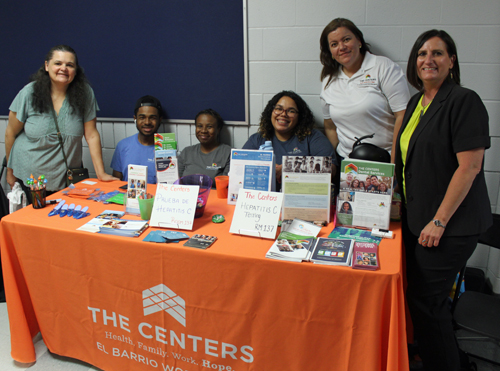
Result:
437,223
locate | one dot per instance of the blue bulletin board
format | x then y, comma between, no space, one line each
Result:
188,53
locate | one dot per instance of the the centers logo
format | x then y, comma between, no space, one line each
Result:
160,298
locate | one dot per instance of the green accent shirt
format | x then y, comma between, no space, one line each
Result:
404,141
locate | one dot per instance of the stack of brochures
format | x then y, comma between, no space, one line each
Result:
296,243
109,222
332,251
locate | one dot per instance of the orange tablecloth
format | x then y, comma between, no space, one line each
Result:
85,293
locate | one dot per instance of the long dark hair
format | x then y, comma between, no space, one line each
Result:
451,48
330,65
305,122
78,90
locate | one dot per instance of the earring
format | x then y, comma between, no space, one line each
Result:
451,75
360,46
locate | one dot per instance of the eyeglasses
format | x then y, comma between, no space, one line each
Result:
291,112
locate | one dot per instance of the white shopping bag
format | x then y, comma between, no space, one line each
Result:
17,198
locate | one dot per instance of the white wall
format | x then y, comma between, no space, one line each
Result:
283,39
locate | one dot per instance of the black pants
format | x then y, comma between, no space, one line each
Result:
431,273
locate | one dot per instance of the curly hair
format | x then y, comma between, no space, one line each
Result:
451,48
330,65
78,90
305,122
214,114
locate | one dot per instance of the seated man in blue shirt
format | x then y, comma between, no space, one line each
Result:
139,149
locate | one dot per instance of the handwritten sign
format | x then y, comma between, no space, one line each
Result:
257,213
174,206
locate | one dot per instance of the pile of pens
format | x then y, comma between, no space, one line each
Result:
37,188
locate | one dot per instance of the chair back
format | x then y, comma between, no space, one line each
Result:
492,236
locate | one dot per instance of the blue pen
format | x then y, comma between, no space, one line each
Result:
56,209
83,213
77,211
71,209
64,211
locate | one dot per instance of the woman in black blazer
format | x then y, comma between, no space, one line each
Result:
439,158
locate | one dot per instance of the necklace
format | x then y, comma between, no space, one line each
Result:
424,107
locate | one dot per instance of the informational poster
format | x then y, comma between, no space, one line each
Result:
365,194
250,169
174,206
306,183
257,213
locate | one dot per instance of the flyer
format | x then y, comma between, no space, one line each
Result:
365,194
166,165
250,169
306,185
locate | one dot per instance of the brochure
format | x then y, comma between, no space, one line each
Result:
332,251
296,243
94,224
165,141
365,256
166,165
365,194
250,169
137,186
299,226
306,185
291,247
165,236
359,235
125,228
200,241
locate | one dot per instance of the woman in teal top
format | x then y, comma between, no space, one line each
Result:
31,143
439,164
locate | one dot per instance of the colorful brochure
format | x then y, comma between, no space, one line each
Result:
165,141
365,256
137,186
365,194
296,243
332,251
359,235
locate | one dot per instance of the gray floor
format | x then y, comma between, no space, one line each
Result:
49,362
45,361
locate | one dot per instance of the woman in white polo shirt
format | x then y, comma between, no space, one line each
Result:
361,93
